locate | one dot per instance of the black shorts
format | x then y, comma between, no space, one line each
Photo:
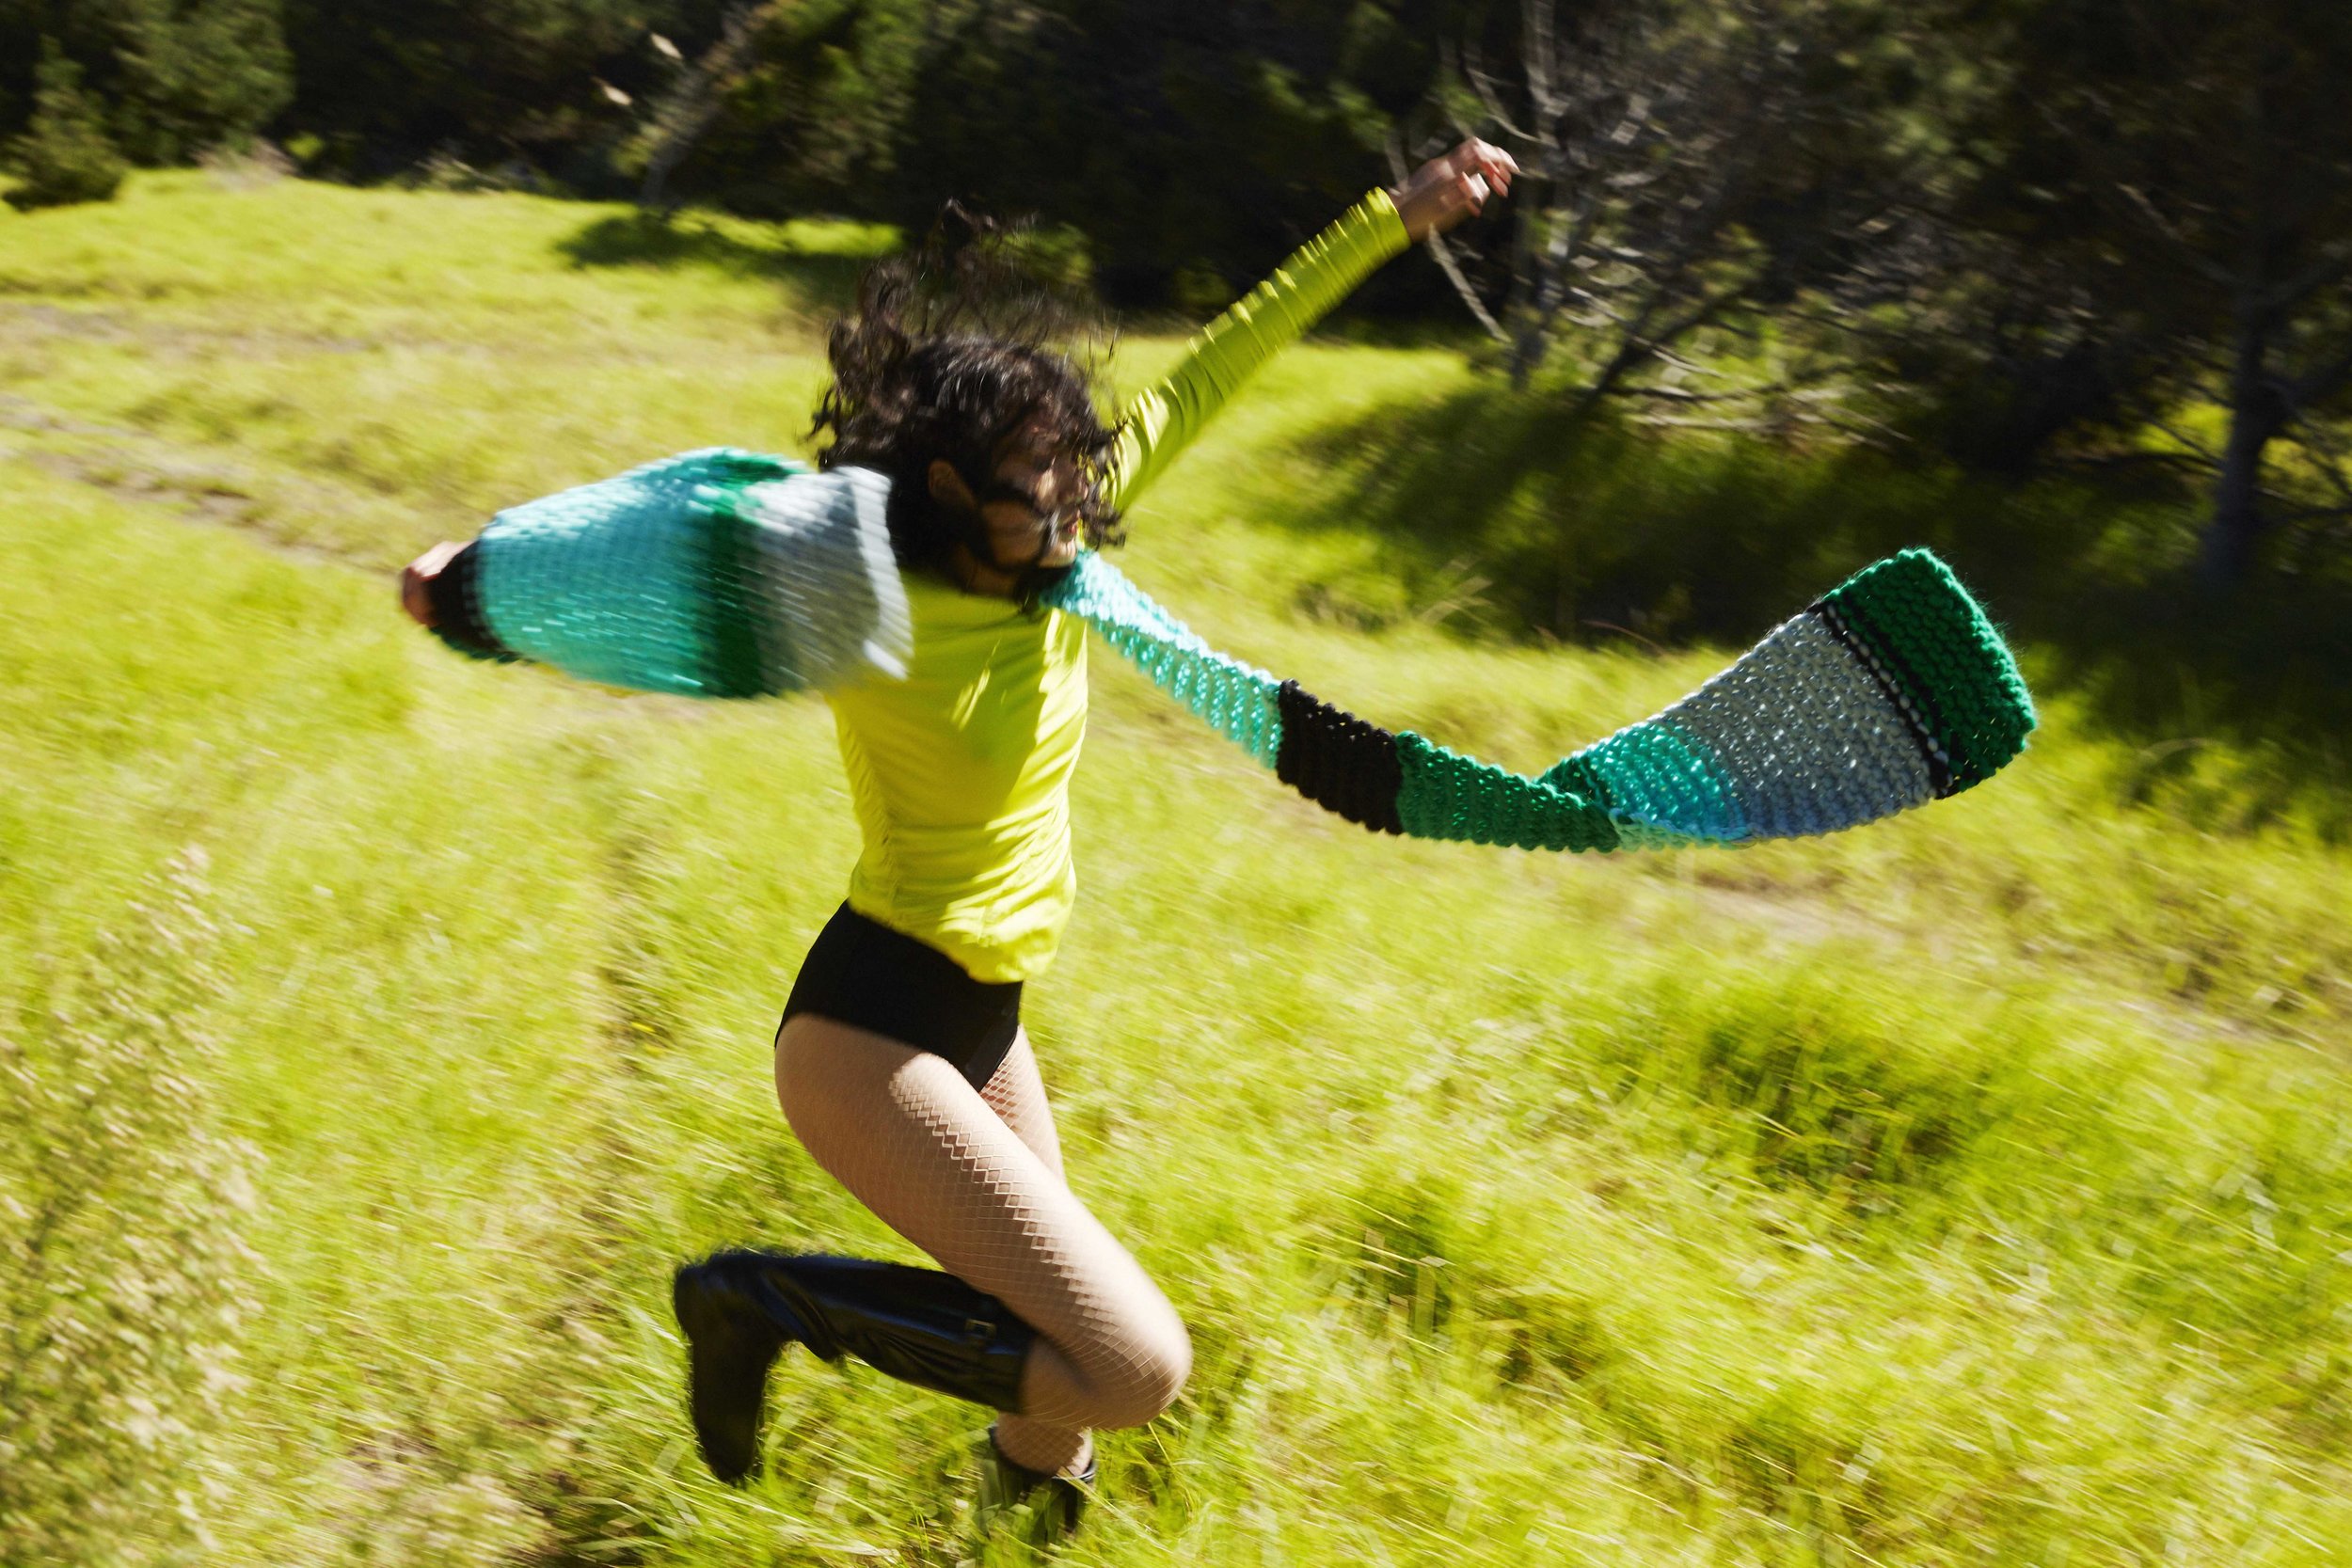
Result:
861,972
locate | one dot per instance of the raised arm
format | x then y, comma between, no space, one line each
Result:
1163,420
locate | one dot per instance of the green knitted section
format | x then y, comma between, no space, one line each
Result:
1447,795
1922,632
1576,775
729,545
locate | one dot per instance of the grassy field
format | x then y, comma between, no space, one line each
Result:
1971,1189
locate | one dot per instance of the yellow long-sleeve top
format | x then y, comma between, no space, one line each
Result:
961,772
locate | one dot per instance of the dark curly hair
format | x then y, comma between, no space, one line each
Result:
952,350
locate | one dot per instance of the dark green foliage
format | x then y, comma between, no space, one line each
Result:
64,155
2143,205
198,72
385,82
1191,142
173,77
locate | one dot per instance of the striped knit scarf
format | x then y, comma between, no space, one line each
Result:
726,574
1890,691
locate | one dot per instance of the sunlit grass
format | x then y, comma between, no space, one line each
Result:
1968,1189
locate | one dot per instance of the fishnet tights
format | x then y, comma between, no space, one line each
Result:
1017,1094
976,1180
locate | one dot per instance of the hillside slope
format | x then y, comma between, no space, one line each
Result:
1969,1189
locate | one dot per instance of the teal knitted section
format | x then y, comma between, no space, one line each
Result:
641,582
1922,632
1658,774
1237,700
1447,795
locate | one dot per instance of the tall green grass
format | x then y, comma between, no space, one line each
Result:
1968,1189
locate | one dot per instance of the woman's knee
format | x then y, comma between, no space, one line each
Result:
1148,1376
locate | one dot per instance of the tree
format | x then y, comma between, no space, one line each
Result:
691,105
174,77
64,155
1693,172
1198,142
2190,164
193,73
1686,168
385,82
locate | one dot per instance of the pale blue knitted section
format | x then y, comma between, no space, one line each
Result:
1800,736
829,607
1237,698
1794,739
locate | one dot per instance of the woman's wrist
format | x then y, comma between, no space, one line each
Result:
438,591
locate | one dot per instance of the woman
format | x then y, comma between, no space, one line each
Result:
900,1061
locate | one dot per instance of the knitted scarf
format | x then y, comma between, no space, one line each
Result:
1890,691
725,572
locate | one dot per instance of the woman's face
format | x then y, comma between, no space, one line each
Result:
1032,509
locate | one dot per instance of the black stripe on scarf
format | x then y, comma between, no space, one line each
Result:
1338,761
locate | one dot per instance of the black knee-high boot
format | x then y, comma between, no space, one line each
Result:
1055,1503
740,1310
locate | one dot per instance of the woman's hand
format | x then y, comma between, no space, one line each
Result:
416,581
1444,191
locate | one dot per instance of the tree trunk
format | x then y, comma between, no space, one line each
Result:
1550,267
692,118
2255,416
692,106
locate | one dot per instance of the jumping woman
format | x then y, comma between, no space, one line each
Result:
900,1062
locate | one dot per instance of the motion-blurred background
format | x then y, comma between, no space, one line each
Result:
377,1029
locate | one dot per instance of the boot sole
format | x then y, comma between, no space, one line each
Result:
729,1351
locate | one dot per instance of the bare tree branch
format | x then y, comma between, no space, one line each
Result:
1474,73
2333,265
1443,253
2202,452
2321,382
2128,197
1681,395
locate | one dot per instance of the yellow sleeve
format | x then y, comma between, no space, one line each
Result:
1162,421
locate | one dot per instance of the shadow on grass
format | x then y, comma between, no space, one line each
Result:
821,276
1602,532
